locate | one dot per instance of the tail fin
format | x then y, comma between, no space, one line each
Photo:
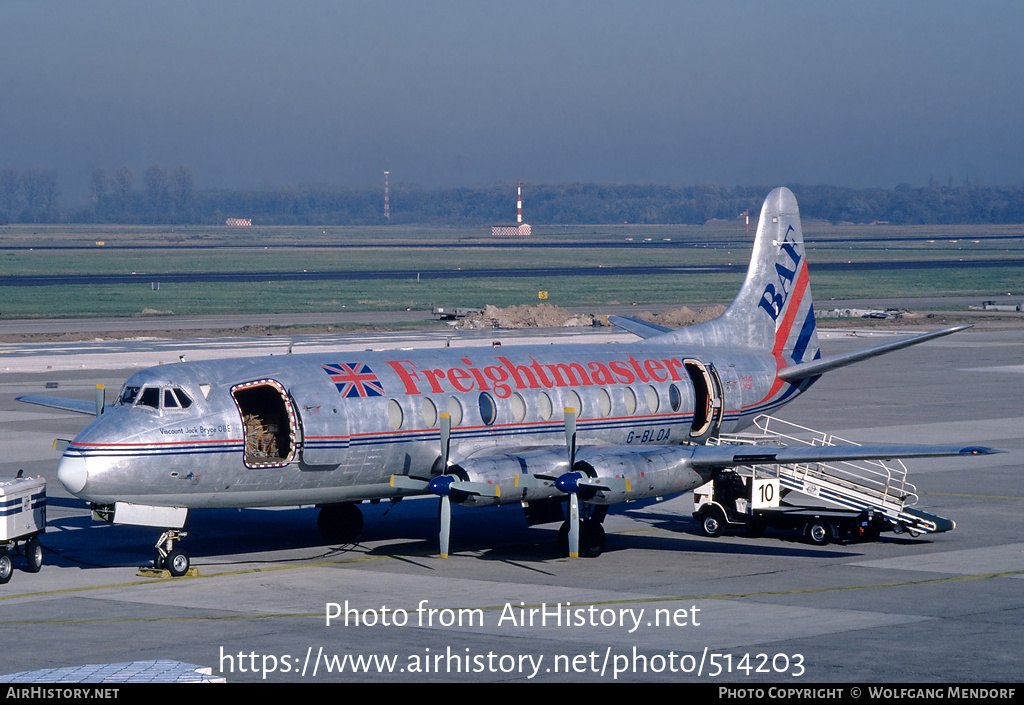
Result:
773,310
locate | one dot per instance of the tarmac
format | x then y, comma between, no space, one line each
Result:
662,603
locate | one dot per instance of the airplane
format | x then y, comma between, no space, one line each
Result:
587,426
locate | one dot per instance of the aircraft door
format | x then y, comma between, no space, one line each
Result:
708,402
324,425
268,422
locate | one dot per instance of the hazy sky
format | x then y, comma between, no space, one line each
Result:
446,92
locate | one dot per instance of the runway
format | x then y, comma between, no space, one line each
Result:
663,603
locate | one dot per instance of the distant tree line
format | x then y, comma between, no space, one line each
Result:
170,197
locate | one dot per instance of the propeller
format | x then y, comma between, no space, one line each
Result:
569,483
573,482
442,485
445,485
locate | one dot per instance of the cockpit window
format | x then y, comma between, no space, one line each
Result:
128,395
175,398
170,401
150,397
155,397
184,399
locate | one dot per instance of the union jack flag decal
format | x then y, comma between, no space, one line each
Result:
354,379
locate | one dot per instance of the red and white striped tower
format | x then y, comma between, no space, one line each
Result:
387,204
519,204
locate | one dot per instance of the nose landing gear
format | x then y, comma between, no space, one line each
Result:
174,560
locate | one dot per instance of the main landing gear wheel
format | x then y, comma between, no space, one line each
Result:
34,555
592,538
6,566
340,523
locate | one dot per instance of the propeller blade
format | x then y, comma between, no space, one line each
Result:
406,482
570,434
446,522
442,486
482,489
608,484
101,398
446,440
574,526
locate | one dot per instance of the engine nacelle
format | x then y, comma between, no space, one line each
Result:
648,471
505,471
651,471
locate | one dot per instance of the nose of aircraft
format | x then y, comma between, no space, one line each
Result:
72,473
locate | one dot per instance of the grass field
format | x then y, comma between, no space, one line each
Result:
410,249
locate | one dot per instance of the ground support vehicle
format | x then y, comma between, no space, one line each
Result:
23,515
869,497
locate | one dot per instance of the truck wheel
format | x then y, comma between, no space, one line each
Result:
819,532
713,523
34,555
6,566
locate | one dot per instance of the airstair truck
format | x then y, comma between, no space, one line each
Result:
23,514
867,497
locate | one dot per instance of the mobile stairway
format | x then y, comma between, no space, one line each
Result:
871,496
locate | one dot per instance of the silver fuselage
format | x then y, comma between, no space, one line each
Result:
355,419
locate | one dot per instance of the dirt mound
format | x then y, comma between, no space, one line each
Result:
540,316
549,316
684,316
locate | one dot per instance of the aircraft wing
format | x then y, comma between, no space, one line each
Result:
81,406
644,329
732,456
815,368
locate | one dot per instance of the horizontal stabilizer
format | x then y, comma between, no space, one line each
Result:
80,406
814,368
733,456
644,329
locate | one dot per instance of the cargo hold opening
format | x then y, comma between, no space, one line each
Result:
268,422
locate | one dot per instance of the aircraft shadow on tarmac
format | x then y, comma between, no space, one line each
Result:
229,536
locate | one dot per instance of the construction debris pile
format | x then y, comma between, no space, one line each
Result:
680,317
540,316
549,316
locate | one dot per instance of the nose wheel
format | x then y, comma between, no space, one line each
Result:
174,560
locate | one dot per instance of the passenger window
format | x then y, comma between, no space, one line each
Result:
629,397
429,412
488,410
518,406
674,398
455,411
652,400
395,415
573,401
544,407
